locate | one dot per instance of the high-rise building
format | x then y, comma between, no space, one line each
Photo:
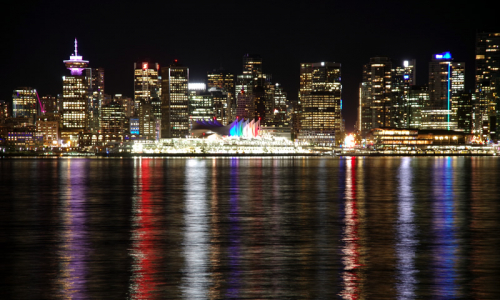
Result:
320,97
96,97
201,104
488,82
403,78
446,84
221,85
375,94
245,105
146,84
175,102
24,103
75,98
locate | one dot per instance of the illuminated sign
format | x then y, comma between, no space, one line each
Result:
406,77
144,66
445,55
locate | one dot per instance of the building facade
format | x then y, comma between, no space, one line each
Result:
320,97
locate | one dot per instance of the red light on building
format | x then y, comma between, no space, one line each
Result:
144,66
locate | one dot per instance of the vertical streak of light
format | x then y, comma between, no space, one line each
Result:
145,257
74,254
405,247
444,228
196,232
215,246
234,280
350,237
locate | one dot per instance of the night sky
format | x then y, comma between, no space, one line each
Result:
37,37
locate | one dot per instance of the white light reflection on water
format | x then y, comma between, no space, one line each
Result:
196,233
405,227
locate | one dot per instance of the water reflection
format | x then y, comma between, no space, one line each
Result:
406,231
234,251
74,252
146,280
196,232
445,275
350,250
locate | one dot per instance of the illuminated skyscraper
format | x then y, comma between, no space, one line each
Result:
375,94
221,85
446,84
96,96
175,101
403,78
488,82
24,103
245,105
75,98
146,84
320,97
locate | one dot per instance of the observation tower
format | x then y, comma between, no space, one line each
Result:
76,64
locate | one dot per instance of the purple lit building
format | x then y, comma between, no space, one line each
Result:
75,100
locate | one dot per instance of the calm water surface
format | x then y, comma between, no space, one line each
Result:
250,228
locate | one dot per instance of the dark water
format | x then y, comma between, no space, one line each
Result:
238,228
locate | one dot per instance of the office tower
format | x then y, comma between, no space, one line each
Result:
146,84
175,102
49,104
375,94
403,78
488,82
222,86
417,96
75,98
24,103
464,113
245,105
320,97
446,84
96,96
276,108
147,124
147,87
112,118
201,104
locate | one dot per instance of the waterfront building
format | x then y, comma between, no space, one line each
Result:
75,100
201,104
488,83
175,101
48,128
24,103
403,78
446,84
465,112
376,95
320,98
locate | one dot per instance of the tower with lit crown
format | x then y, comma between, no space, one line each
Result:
75,98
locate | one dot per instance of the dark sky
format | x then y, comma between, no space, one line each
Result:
37,36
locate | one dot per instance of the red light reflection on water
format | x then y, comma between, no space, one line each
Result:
350,236
144,252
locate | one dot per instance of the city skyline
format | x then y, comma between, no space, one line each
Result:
214,36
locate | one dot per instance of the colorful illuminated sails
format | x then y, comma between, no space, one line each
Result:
242,128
